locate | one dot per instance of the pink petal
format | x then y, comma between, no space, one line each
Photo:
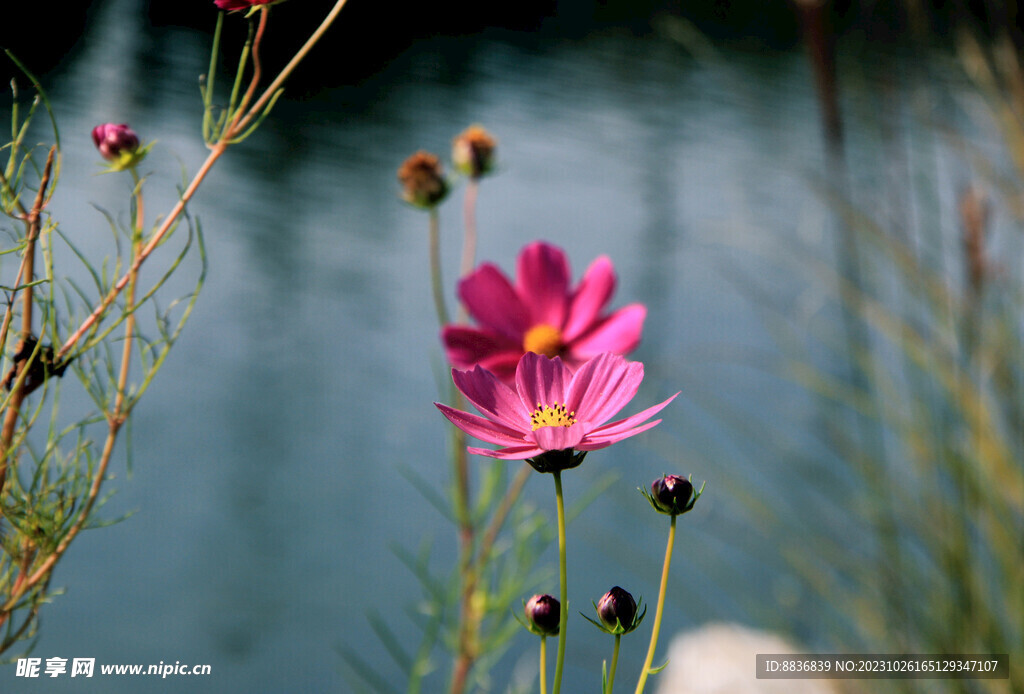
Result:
503,366
466,347
510,453
491,300
622,426
483,429
591,296
602,387
540,380
618,333
558,438
597,443
542,281
493,398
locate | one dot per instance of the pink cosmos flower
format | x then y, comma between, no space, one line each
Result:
551,408
232,5
540,314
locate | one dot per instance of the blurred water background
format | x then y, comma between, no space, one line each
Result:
267,487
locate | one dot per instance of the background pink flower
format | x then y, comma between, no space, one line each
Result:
540,314
551,408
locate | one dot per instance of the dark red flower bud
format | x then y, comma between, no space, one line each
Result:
542,615
115,141
617,610
672,494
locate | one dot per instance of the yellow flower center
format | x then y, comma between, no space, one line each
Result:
554,416
543,339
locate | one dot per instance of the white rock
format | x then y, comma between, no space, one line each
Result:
719,658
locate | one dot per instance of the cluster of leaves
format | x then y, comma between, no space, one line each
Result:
510,572
113,335
55,457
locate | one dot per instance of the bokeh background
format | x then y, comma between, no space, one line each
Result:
268,485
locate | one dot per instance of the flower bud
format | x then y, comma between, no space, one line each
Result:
422,179
542,615
233,5
673,494
617,610
114,141
473,152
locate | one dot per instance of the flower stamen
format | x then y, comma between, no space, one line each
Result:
554,416
543,339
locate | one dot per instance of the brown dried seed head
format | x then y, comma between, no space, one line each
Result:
422,179
473,151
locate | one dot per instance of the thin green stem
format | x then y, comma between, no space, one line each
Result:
217,150
469,616
490,535
435,267
469,219
615,662
208,82
469,571
661,605
287,70
543,665
460,458
469,238
563,584
234,110
257,72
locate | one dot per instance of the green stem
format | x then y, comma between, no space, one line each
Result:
207,85
469,238
218,149
271,90
469,617
543,665
563,614
469,574
661,605
615,662
435,267
469,217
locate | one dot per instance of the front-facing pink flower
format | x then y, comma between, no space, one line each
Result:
551,408
540,313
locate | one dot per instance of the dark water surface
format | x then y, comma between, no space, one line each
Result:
266,484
